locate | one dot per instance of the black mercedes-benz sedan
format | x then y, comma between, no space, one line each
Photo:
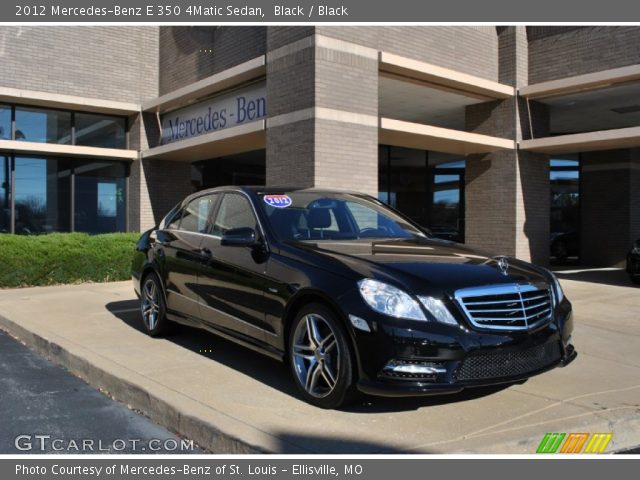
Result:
353,295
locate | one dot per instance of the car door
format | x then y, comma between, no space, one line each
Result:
232,280
179,244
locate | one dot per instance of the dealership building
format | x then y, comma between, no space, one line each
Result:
519,140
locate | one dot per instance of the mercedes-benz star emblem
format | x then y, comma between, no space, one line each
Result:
503,265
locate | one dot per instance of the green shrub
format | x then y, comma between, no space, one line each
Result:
65,258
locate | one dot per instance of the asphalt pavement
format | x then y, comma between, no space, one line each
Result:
45,409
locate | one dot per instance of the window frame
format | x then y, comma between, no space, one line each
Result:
72,112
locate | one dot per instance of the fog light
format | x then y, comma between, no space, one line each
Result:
359,323
413,370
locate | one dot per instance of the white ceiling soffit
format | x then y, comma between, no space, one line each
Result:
69,102
585,142
229,141
583,82
208,86
445,77
21,147
428,137
415,101
593,110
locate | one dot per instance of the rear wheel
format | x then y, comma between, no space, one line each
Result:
320,357
152,306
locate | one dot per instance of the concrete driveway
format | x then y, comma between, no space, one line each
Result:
229,399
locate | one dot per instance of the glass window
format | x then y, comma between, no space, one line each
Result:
100,197
44,126
99,130
5,122
235,212
42,195
335,216
564,176
174,220
196,213
5,194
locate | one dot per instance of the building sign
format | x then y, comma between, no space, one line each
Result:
241,106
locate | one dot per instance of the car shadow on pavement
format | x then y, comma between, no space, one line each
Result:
276,374
616,278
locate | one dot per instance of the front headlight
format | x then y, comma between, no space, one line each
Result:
558,294
389,300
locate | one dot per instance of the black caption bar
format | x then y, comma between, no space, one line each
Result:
289,469
312,11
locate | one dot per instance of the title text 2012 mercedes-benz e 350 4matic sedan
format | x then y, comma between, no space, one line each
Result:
350,293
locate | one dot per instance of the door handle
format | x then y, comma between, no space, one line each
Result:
207,253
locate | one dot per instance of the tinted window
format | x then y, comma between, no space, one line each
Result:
5,194
100,130
5,122
326,216
172,222
44,126
234,212
42,195
196,213
100,197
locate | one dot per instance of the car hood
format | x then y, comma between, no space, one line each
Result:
423,263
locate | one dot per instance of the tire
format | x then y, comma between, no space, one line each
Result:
153,307
321,363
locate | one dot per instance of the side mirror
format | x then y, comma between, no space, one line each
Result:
239,237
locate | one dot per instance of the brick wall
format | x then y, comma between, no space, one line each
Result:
558,52
106,62
507,192
336,152
185,56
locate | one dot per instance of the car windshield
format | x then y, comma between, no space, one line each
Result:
332,216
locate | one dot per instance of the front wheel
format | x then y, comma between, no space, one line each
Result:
320,358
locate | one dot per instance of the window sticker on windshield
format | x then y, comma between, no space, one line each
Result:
278,201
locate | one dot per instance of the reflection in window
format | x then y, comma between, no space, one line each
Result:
234,212
42,195
564,176
99,130
5,122
100,197
5,194
196,214
43,126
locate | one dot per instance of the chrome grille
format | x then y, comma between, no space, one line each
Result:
506,307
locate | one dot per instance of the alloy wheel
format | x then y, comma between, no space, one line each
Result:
150,305
316,355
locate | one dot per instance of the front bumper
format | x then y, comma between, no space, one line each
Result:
444,359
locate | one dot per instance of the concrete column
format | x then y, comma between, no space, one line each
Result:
609,205
507,192
155,186
323,111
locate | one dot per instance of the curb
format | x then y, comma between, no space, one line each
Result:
203,433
